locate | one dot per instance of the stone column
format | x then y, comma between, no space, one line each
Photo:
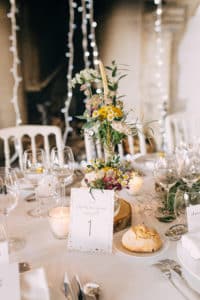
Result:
121,41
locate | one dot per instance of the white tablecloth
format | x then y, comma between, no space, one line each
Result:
121,277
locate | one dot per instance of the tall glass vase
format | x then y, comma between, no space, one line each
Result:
108,152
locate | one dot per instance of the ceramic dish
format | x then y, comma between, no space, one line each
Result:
119,248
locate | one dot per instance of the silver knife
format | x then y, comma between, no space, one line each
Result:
67,288
81,295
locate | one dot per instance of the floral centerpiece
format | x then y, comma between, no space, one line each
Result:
106,120
112,175
104,109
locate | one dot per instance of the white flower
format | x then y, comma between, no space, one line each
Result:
91,176
78,78
94,72
89,74
100,174
73,82
86,75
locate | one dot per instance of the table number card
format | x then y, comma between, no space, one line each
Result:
193,217
91,220
9,282
4,257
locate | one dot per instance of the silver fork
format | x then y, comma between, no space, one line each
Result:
172,264
166,272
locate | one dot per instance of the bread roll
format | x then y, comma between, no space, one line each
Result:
141,239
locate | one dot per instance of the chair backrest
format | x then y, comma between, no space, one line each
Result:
16,136
181,127
94,148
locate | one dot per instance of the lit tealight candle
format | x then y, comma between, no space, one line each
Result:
135,185
59,221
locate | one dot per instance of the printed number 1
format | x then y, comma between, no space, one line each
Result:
90,227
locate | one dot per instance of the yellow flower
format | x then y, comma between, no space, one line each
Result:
118,112
124,182
110,117
95,114
110,112
102,112
126,177
106,169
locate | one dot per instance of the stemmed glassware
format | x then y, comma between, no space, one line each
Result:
34,167
8,201
62,167
188,160
165,173
190,168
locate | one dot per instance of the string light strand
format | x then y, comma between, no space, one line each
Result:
92,35
163,106
14,70
70,56
84,26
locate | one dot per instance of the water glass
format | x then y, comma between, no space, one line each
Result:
8,201
62,167
35,168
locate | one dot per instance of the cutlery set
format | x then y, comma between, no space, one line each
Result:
75,290
171,270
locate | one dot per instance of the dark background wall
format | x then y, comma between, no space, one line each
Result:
43,43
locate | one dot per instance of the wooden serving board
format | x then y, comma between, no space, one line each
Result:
123,219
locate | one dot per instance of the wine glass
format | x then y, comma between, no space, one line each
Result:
62,167
179,226
182,200
34,167
8,201
190,168
166,175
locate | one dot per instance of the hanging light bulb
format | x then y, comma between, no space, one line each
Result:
88,26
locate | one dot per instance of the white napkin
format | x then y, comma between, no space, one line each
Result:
191,242
34,285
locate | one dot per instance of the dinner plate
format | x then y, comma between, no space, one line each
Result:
190,265
119,249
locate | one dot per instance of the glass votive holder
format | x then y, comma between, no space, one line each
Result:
135,185
59,221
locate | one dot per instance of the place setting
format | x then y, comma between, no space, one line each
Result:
99,150
115,210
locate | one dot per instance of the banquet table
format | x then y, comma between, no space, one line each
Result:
121,277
